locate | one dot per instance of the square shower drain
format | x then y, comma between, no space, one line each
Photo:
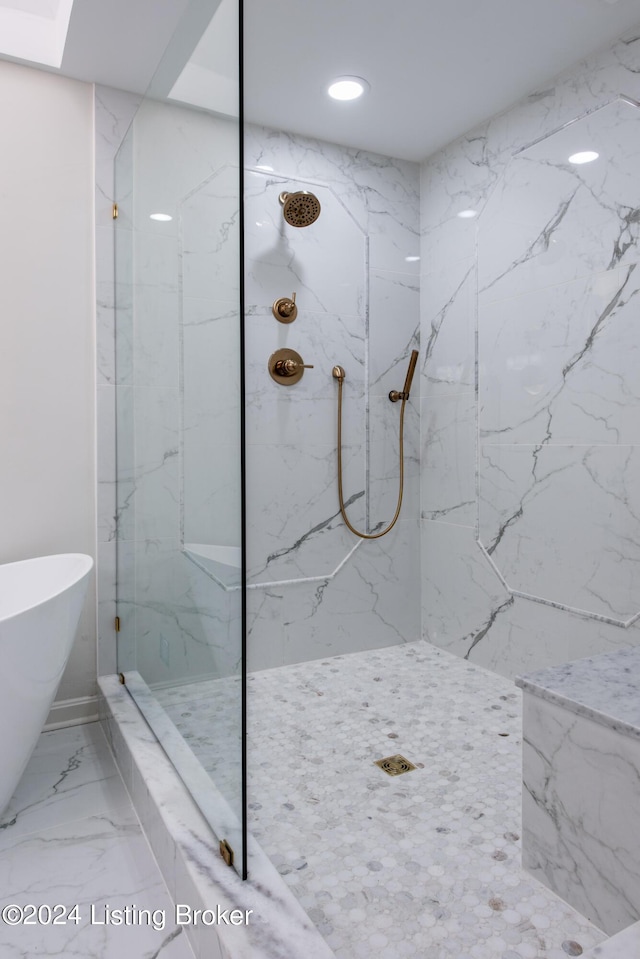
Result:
395,765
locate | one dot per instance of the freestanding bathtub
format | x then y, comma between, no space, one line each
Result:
40,604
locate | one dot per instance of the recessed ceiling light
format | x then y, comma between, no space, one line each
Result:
586,157
467,214
347,88
411,259
163,217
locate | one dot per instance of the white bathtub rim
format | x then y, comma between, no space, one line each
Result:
44,593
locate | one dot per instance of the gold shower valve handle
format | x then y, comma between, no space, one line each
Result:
285,309
290,367
287,367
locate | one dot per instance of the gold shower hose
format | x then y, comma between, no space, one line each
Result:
339,375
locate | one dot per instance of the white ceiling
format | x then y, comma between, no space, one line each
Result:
436,67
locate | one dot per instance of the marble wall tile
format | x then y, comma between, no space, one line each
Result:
156,347
113,112
325,263
556,364
209,237
124,647
580,812
265,630
396,248
379,191
556,253
106,462
462,595
576,506
369,221
527,231
156,418
322,339
210,421
183,619
308,538
364,602
384,459
393,330
358,299
192,145
527,635
448,458
107,656
447,306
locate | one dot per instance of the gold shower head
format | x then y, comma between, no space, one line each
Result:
300,209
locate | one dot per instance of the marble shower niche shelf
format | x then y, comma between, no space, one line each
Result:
581,767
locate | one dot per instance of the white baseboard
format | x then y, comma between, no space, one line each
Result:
72,712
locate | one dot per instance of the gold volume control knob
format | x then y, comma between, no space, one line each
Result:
287,367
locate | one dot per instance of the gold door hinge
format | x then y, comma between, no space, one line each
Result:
116,624
114,211
123,681
226,852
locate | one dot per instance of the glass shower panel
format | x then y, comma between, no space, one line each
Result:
179,408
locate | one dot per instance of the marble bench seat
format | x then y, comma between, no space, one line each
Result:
581,778
625,945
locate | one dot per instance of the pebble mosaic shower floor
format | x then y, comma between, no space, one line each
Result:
425,864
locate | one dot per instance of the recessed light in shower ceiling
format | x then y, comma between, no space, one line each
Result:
347,88
162,217
587,156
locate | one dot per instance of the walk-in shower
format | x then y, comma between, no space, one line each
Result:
351,598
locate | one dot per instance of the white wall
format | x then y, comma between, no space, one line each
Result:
47,320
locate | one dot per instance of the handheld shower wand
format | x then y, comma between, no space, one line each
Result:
394,395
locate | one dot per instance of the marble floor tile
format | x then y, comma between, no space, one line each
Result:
70,836
426,864
70,772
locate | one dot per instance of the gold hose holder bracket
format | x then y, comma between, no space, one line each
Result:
287,367
403,394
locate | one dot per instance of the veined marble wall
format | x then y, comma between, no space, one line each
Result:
530,478
173,299
113,112
314,589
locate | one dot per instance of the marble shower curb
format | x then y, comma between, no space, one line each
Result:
187,851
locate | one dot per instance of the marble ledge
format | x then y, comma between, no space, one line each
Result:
604,688
186,850
624,945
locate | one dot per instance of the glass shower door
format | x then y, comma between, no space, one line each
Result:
179,451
